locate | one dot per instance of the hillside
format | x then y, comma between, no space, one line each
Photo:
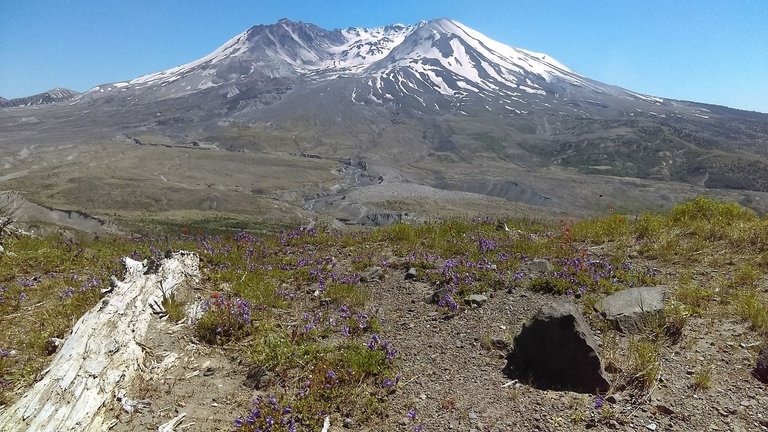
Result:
377,329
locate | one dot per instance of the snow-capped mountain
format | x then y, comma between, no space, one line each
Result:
426,67
436,93
51,96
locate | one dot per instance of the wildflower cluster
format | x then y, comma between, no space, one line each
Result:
412,417
376,343
580,275
268,415
224,319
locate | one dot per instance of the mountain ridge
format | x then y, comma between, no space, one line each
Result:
55,95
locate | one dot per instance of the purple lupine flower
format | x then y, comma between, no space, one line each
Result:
449,302
599,402
239,422
411,414
23,297
418,428
273,402
389,350
374,342
68,293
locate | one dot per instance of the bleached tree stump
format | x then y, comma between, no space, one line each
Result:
79,391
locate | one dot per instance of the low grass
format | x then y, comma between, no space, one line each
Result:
644,366
173,307
46,284
702,379
293,303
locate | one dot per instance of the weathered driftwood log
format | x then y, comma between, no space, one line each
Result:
79,391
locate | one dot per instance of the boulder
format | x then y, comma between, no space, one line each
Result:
557,350
761,367
630,310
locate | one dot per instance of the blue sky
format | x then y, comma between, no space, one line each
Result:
713,51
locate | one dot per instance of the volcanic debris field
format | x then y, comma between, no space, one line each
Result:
413,328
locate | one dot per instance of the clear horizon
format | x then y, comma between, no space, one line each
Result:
706,51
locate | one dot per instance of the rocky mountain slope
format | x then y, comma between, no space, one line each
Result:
434,104
51,96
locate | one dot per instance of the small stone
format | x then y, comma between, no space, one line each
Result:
472,416
664,409
613,399
209,372
53,345
499,344
746,403
372,274
411,274
613,425
761,366
651,426
348,422
475,300
258,378
540,266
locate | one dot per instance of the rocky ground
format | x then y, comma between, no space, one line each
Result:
453,378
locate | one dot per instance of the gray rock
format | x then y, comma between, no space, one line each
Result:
557,350
475,300
371,274
630,310
761,366
438,295
539,266
411,274
258,378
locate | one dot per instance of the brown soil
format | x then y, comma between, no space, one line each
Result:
454,379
